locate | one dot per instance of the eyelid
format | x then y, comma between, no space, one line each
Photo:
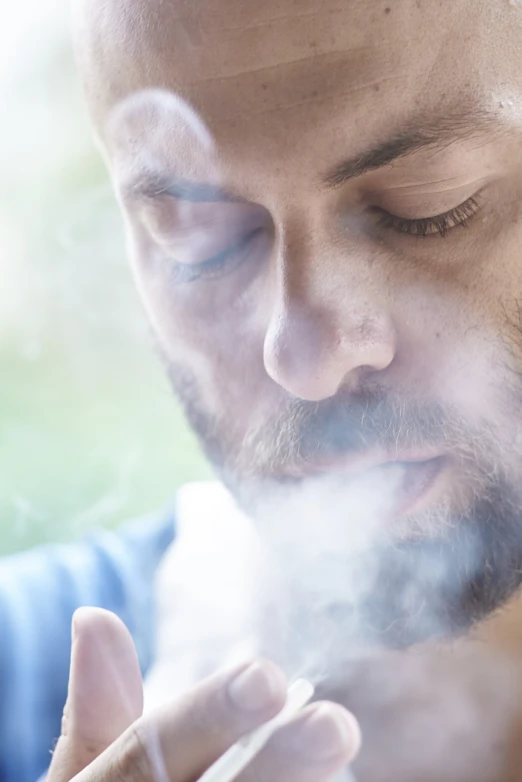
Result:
419,204
436,225
218,266
193,232
423,206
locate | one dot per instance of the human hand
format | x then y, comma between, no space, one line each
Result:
105,738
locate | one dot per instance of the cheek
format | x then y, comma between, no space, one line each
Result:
470,351
475,381
492,338
213,336
448,352
460,323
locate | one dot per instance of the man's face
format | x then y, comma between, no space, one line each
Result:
323,204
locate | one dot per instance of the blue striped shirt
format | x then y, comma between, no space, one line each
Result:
39,592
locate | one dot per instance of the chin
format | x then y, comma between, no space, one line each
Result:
400,594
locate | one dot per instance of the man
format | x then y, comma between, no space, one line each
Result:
324,215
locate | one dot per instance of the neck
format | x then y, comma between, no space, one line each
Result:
442,713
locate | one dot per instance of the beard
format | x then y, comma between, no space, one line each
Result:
452,570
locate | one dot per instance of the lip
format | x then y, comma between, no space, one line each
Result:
358,463
421,470
418,481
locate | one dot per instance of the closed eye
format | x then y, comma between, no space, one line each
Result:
219,265
438,225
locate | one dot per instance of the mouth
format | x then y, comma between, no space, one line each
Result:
412,475
417,485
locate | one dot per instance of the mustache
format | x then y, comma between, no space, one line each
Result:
307,432
292,432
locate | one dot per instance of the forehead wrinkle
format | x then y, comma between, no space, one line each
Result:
247,15
313,59
277,19
306,83
160,46
317,100
215,57
343,95
137,42
212,20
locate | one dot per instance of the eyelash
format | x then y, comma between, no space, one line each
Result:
430,226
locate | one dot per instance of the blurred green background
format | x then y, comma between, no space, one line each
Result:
89,431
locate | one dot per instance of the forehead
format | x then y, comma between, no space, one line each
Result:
264,72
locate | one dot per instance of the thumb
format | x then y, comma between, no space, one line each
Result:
105,691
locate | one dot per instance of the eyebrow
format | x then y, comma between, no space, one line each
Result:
422,135
437,135
152,184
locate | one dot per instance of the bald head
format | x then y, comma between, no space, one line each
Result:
242,57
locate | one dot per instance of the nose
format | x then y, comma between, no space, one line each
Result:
322,336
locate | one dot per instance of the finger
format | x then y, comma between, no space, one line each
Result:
178,743
105,691
313,747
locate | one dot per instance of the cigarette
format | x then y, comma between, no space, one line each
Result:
237,758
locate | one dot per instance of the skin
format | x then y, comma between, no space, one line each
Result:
105,737
341,298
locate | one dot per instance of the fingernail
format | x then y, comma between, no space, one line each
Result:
328,732
256,687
